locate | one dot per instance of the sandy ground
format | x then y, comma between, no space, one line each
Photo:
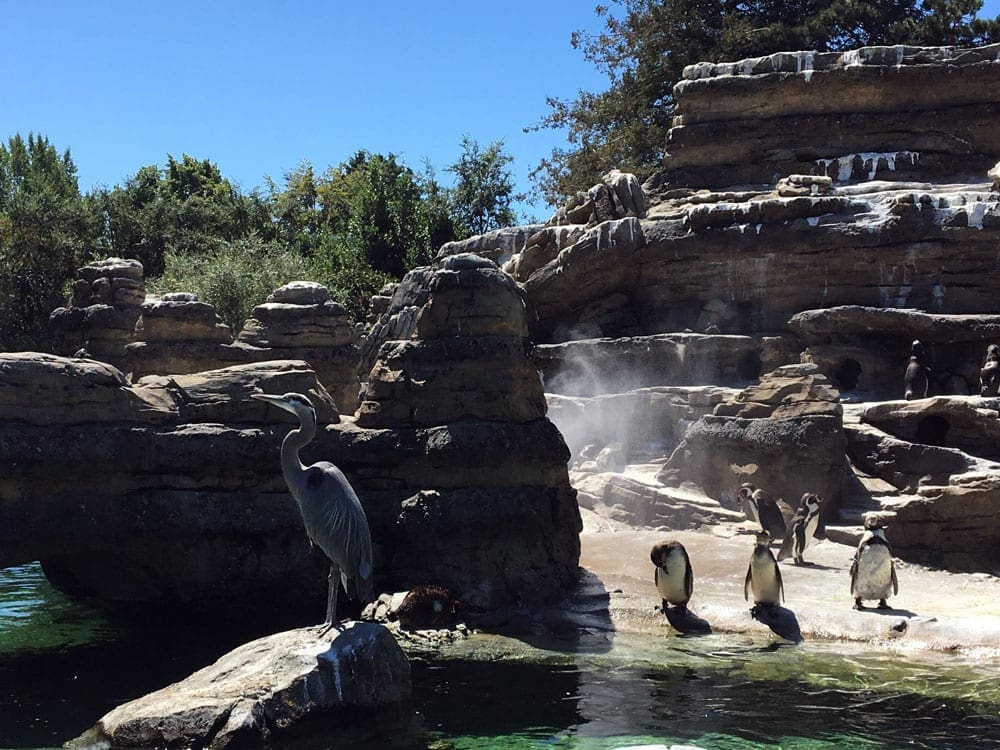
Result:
935,610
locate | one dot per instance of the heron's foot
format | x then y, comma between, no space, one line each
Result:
858,605
326,627
883,605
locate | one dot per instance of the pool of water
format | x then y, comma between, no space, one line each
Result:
63,665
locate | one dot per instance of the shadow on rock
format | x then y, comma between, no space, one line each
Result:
580,621
686,621
781,620
888,611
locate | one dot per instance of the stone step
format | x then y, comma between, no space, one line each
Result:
844,533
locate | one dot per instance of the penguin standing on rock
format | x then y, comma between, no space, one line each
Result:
759,508
916,379
673,576
873,573
802,529
763,576
989,375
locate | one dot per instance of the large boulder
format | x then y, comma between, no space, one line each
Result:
785,434
269,689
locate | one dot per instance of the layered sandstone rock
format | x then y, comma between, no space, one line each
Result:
785,434
498,245
176,334
502,519
102,311
867,348
299,321
888,112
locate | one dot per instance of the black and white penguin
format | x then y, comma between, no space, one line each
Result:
760,508
763,576
989,375
916,379
802,529
872,570
673,576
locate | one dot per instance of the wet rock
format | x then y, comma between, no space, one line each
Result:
268,688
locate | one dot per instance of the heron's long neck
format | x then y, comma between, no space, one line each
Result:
291,466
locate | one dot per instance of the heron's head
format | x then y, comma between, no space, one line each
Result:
295,403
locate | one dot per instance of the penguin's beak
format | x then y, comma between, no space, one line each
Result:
275,400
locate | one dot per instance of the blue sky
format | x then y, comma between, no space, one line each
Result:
259,86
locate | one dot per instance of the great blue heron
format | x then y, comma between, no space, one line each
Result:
334,518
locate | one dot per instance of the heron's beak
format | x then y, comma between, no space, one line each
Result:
275,400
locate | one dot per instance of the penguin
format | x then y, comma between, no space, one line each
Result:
989,375
763,576
802,529
673,577
916,378
761,509
873,572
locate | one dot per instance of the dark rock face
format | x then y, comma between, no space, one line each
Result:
870,346
267,689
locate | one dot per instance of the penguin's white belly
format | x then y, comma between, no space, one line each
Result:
763,581
811,526
670,584
874,577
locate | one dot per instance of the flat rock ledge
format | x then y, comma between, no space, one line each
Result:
265,688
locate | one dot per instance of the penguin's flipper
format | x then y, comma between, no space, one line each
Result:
801,538
854,572
656,576
746,583
895,581
787,544
688,581
781,585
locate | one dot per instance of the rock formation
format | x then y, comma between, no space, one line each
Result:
102,311
812,207
176,334
463,478
267,690
299,321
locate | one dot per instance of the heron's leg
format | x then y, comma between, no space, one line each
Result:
333,587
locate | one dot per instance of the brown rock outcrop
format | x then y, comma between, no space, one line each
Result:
785,434
888,112
299,321
102,311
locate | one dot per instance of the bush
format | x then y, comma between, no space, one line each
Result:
235,278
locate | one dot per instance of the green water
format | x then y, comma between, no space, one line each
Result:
63,665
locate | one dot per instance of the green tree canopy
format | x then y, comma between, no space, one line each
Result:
484,187
644,47
47,230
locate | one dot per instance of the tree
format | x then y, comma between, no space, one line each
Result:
484,188
47,230
644,48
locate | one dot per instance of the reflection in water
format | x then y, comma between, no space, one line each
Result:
63,665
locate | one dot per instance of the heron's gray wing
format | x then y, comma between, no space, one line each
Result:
336,520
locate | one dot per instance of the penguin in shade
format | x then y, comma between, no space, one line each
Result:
802,529
673,576
763,576
759,508
873,573
916,379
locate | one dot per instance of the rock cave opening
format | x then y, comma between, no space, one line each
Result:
933,430
847,373
748,367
